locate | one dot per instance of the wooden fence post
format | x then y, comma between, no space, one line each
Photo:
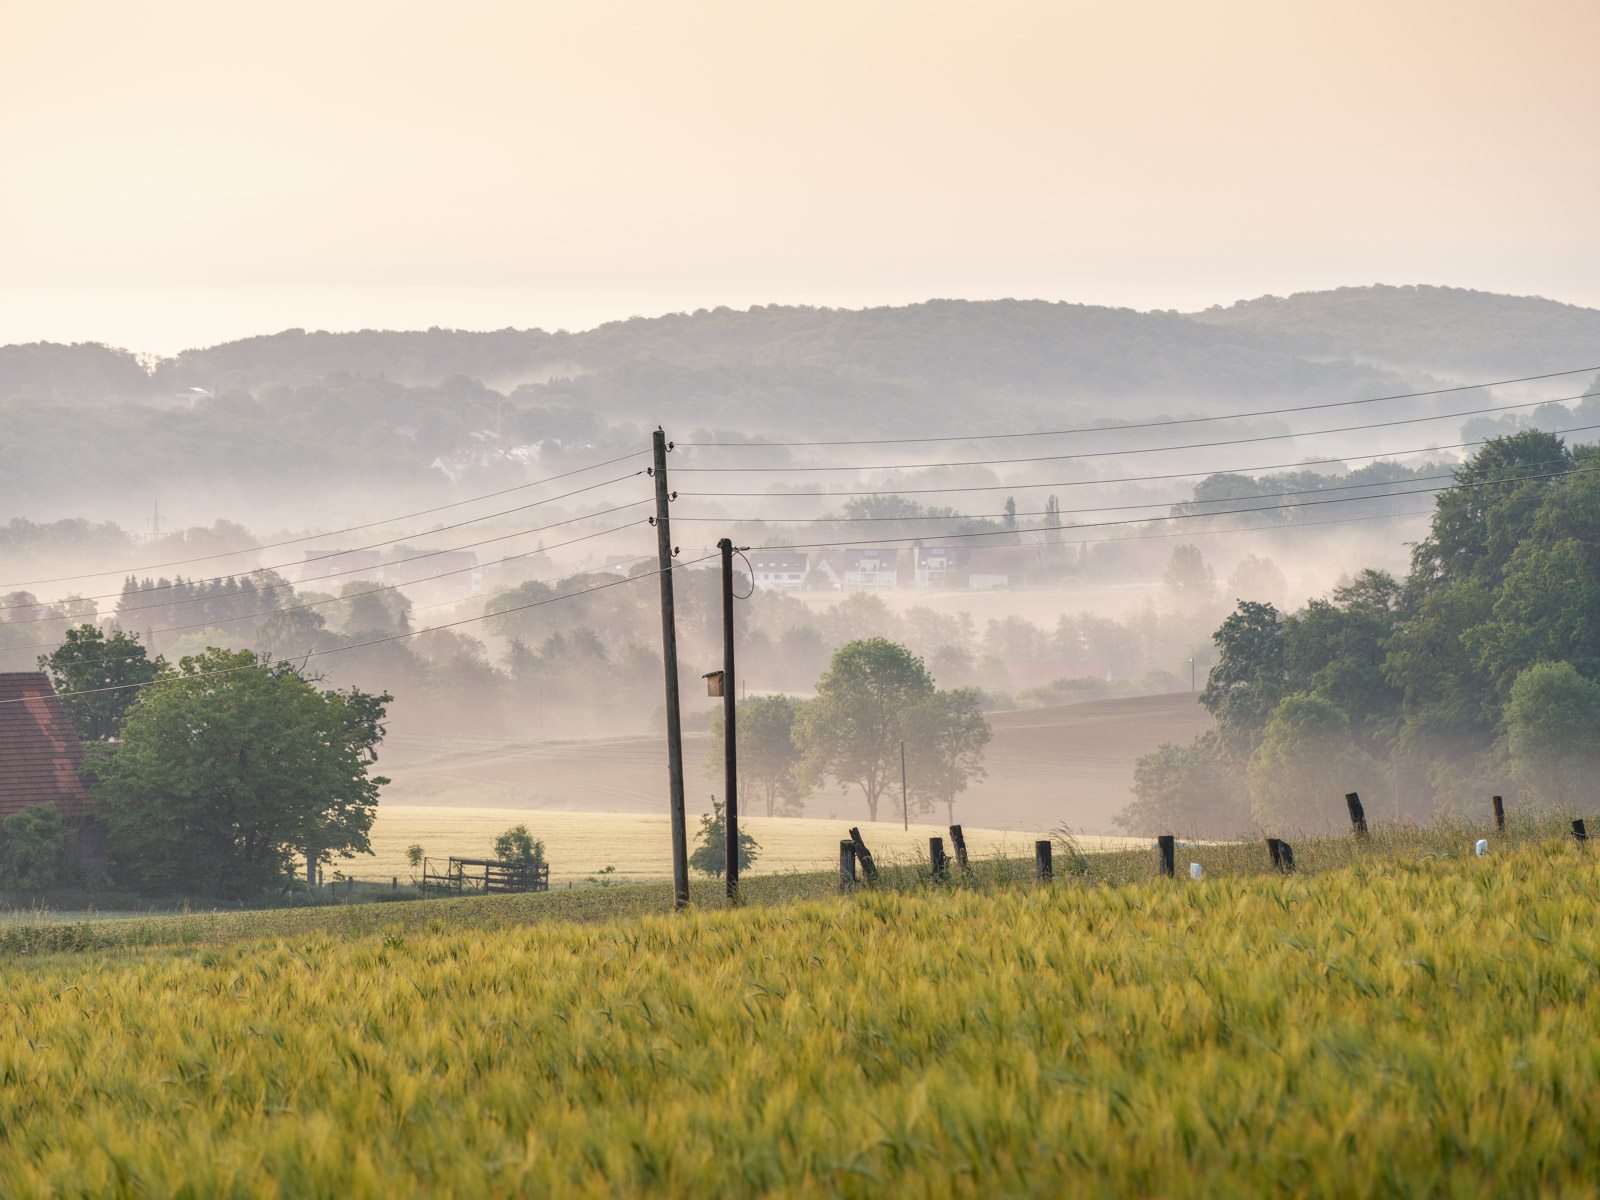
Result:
1499,813
959,841
1167,847
1358,815
1579,833
1043,869
864,856
938,861
847,866
1277,854
1285,857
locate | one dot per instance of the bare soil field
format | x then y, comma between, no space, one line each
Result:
1071,764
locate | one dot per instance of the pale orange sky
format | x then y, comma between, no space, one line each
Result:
175,173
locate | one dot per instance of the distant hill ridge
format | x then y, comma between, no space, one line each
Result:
1013,352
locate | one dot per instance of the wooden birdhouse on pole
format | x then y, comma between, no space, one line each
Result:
714,683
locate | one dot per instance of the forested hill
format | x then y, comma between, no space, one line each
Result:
84,427
1479,334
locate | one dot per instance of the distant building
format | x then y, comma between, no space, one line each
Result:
39,760
1000,566
779,570
870,569
935,563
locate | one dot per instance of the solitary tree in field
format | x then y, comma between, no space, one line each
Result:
852,730
769,761
710,855
945,735
517,845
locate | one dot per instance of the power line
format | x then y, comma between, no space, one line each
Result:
1066,483
311,537
375,641
336,599
1103,508
180,581
132,608
1271,437
1266,412
1170,517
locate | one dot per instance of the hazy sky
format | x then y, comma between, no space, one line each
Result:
178,173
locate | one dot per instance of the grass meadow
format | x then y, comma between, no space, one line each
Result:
1400,1017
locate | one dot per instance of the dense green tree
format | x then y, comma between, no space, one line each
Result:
35,849
1479,523
1335,649
1249,677
769,761
1553,732
231,772
710,855
1305,764
1195,790
852,730
517,845
945,734
98,677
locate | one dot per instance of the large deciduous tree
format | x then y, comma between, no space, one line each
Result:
98,677
852,730
769,761
230,772
945,735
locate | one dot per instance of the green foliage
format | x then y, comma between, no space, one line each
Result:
853,729
35,849
1193,790
415,854
230,773
769,761
106,672
710,856
517,845
945,734
1305,764
1249,677
1553,732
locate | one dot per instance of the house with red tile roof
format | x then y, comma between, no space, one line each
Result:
40,755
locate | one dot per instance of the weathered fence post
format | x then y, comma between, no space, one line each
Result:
1499,813
1167,847
1273,848
959,841
394,883
1579,833
938,861
847,866
864,855
1358,815
1285,857
1043,868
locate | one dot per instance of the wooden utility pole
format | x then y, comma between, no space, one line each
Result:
669,656
730,743
905,800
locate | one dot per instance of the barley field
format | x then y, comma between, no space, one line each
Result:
1396,1024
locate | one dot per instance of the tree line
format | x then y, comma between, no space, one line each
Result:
1479,673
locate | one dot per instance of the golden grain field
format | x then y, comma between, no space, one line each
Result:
639,845
1399,1027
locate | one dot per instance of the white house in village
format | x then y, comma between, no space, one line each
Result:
779,570
870,568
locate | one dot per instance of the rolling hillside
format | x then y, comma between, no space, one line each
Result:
1070,764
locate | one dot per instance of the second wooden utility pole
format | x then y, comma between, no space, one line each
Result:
730,742
669,656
